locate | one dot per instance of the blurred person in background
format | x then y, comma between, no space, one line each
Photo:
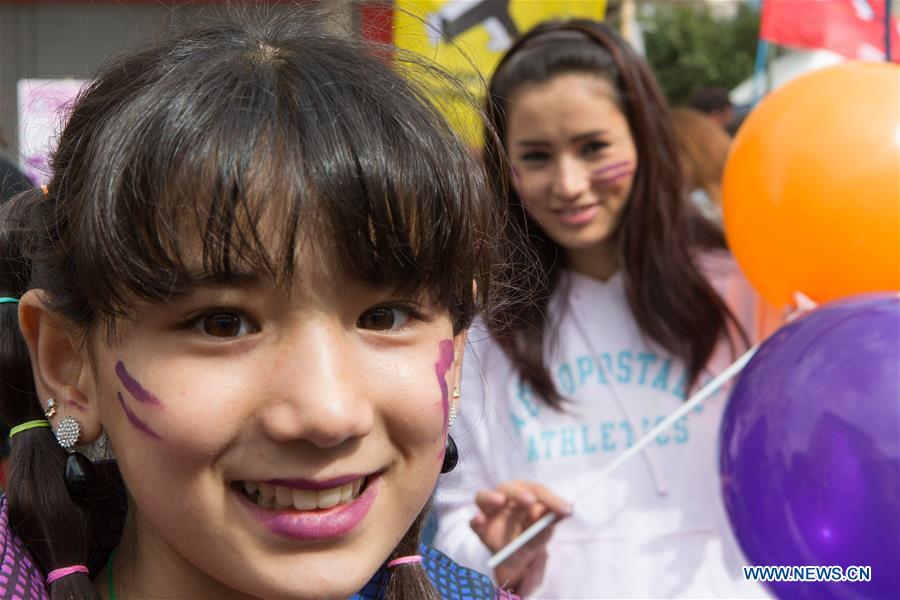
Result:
639,303
703,148
714,102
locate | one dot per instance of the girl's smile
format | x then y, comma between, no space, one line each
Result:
577,216
311,514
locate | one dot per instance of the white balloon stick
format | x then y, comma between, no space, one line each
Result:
550,518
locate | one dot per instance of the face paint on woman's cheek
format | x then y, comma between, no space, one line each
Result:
445,359
135,420
140,394
612,174
135,388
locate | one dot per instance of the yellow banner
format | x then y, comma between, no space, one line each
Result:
467,38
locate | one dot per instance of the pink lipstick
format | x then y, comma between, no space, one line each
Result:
576,217
317,524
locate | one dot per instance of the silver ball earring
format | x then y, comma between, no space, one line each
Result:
68,432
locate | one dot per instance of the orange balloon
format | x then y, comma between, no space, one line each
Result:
811,189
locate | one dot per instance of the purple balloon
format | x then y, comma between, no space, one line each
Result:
810,448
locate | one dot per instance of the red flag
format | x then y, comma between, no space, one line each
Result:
853,28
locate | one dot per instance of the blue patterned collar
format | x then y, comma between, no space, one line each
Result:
451,580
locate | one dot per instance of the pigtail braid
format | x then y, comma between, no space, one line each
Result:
410,581
51,524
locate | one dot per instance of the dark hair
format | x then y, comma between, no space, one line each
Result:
215,135
671,300
709,99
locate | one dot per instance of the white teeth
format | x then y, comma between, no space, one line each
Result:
329,497
346,492
284,496
266,491
305,500
279,497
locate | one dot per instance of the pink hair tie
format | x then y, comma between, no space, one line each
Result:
60,573
415,558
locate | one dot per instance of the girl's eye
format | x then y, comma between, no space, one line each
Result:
534,157
384,318
594,147
225,324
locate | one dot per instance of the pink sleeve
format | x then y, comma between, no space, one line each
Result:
756,316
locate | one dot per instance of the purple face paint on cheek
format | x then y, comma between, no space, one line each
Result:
134,420
616,166
135,388
615,179
613,173
445,359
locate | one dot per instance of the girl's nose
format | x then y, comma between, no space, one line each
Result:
315,392
571,179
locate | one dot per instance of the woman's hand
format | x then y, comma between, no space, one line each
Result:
802,305
506,512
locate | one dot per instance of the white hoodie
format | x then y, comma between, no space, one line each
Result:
655,528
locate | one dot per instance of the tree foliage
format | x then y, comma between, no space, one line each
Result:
689,46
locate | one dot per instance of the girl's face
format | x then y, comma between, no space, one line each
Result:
274,443
573,160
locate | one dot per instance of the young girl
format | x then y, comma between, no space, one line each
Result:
641,304
251,274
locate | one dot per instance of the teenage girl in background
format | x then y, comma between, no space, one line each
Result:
640,304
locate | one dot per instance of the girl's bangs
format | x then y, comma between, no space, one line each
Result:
240,173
